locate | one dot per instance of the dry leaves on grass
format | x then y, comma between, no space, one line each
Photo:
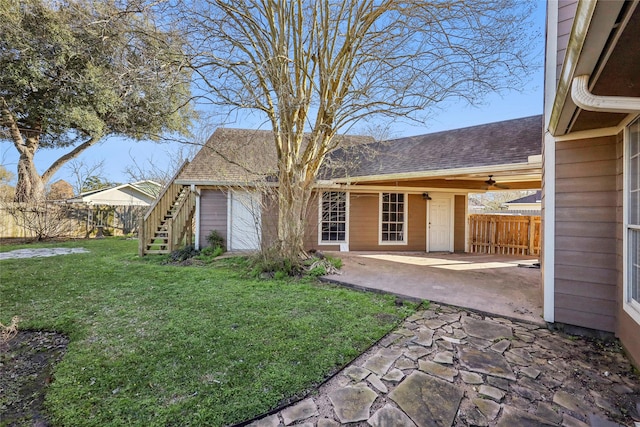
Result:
10,331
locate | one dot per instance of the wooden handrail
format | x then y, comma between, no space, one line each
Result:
166,188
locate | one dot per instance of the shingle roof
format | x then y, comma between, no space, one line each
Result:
531,198
239,156
499,143
243,155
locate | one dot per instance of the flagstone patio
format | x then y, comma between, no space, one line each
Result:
446,366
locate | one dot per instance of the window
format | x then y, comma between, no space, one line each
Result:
392,218
333,220
633,214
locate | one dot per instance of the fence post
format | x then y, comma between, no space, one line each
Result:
492,235
141,236
531,235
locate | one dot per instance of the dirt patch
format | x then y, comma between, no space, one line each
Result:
26,367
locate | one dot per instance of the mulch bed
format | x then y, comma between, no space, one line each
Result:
26,367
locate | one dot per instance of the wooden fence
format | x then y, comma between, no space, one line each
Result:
504,234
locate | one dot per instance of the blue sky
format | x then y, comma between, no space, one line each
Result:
117,153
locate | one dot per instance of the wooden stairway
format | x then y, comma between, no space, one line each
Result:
168,223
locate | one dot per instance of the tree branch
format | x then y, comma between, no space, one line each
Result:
65,158
9,121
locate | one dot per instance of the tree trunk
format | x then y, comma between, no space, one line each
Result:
293,200
30,186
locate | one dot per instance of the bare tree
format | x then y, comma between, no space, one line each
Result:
321,66
83,172
160,172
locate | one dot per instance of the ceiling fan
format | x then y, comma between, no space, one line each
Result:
492,183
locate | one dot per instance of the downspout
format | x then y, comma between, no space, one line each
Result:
584,99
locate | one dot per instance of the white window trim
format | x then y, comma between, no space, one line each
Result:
405,235
631,307
346,236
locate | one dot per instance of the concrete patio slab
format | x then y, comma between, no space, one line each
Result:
496,284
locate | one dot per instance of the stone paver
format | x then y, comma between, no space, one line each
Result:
300,411
352,403
41,252
485,362
451,367
428,401
390,416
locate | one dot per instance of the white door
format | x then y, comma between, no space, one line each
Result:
244,221
439,224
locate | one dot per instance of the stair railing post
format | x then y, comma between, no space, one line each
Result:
170,244
141,236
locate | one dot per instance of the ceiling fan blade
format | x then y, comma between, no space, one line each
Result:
501,186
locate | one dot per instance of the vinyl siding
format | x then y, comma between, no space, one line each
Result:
213,214
269,223
586,246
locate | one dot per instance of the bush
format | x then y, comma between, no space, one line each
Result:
210,253
215,240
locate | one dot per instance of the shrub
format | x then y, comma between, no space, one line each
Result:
210,253
215,240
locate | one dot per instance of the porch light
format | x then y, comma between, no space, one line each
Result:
426,196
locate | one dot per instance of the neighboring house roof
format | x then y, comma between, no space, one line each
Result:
232,156
141,193
531,198
499,143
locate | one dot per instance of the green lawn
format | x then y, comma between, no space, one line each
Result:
156,344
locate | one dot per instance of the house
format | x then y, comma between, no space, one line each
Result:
141,193
118,207
530,203
591,159
408,194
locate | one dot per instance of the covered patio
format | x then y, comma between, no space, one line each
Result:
501,285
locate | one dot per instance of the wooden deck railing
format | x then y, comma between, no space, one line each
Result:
157,212
504,234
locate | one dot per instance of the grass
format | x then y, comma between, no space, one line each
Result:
155,344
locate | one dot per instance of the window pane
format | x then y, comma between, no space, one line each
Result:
634,265
634,208
392,217
633,211
334,216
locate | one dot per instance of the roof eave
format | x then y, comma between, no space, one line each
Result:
592,26
534,162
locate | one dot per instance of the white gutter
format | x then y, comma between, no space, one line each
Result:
586,100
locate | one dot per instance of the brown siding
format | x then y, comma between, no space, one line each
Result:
459,222
627,329
269,218
213,214
585,233
363,224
